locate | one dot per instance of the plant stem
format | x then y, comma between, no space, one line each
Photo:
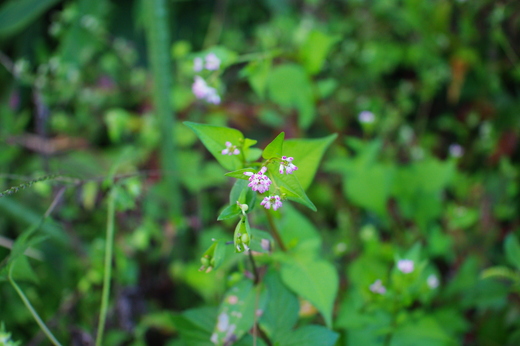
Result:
33,312
275,232
159,58
109,245
255,270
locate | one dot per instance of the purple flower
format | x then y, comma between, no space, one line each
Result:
203,91
258,181
366,117
212,62
377,287
286,163
406,266
198,64
272,201
230,149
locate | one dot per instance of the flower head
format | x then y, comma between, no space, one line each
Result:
406,266
230,149
377,287
272,201
198,64
212,62
432,281
456,150
366,117
286,163
203,91
258,181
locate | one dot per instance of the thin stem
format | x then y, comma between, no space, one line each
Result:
275,232
255,270
33,312
109,245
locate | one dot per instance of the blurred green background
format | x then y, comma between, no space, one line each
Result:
424,97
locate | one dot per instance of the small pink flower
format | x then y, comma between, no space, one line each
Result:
212,62
432,281
287,164
230,149
406,266
272,201
366,117
198,64
258,181
202,90
377,287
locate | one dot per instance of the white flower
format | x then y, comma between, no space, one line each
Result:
230,149
432,281
258,181
377,287
272,201
212,62
202,90
366,117
406,266
287,164
198,64
456,150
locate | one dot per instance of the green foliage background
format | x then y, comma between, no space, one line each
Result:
93,94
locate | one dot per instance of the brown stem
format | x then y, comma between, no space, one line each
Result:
275,232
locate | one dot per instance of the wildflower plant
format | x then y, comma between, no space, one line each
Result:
267,181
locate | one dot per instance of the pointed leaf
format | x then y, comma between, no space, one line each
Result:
316,281
275,148
290,186
214,139
15,15
310,335
239,174
307,155
281,312
230,212
237,312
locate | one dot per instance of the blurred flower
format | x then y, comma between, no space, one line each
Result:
212,62
366,117
432,281
456,150
203,91
198,64
377,287
405,266
273,201
258,181
230,149
287,164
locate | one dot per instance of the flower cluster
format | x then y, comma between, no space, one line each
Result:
406,266
377,287
259,181
210,62
286,163
271,201
203,91
230,149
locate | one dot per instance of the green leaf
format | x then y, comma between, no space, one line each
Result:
15,15
310,335
296,230
290,87
315,49
281,312
275,148
425,331
237,312
239,174
257,73
230,212
512,249
307,155
214,139
316,281
242,193
501,272
195,325
290,186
